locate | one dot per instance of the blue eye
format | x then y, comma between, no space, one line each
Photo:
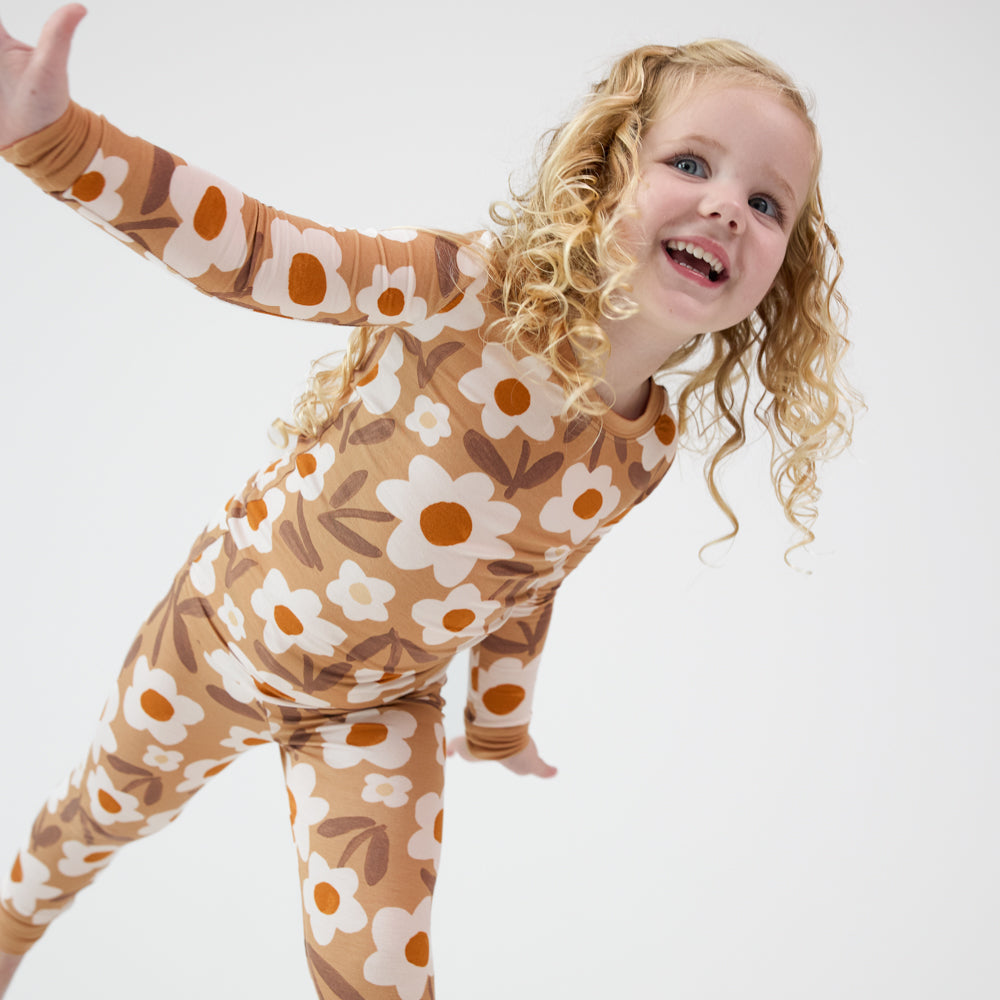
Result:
766,206
688,163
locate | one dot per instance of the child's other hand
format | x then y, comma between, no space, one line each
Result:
526,761
34,87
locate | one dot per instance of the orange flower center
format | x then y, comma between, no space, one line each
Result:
445,523
587,504
512,396
210,216
306,280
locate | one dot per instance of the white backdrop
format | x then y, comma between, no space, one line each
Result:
773,785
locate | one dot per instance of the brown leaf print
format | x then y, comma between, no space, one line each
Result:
154,792
440,354
505,567
331,977
347,537
486,457
269,663
446,259
328,677
348,488
290,537
236,565
145,226
182,644
131,230
299,543
374,433
518,577
317,563
242,280
575,428
528,477
346,416
417,653
158,189
93,832
343,824
168,608
44,836
532,637
373,645
124,767
377,855
228,701
638,476
195,606
595,452
377,858
411,343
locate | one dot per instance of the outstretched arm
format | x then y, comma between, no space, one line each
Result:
34,86
225,243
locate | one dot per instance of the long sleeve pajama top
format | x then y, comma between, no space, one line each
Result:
448,497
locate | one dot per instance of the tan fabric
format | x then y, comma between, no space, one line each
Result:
438,511
364,793
448,477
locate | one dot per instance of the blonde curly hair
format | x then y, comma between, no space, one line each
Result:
557,269
560,270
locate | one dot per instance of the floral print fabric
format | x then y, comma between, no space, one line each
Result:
363,793
447,499
439,510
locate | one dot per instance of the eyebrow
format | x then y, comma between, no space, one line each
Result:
715,144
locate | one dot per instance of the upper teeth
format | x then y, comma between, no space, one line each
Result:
696,251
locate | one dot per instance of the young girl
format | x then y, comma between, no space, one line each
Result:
495,414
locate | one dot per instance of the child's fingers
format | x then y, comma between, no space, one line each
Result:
540,769
526,761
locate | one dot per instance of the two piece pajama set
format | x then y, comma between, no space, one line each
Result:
439,510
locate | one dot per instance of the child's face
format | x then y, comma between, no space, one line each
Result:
723,177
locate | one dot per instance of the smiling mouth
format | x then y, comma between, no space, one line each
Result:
696,259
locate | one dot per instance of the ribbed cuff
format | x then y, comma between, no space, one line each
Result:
16,934
56,155
495,744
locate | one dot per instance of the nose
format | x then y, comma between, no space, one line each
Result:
726,207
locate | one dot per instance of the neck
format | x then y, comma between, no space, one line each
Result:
636,354
629,402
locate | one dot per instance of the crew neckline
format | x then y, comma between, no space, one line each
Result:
657,404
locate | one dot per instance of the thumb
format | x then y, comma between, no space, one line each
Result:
57,35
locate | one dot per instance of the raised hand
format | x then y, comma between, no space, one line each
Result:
34,87
526,761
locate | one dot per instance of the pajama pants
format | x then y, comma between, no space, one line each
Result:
364,792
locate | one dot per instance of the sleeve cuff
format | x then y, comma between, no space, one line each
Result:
495,744
55,156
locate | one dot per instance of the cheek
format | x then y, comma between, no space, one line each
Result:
631,230
642,223
772,258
